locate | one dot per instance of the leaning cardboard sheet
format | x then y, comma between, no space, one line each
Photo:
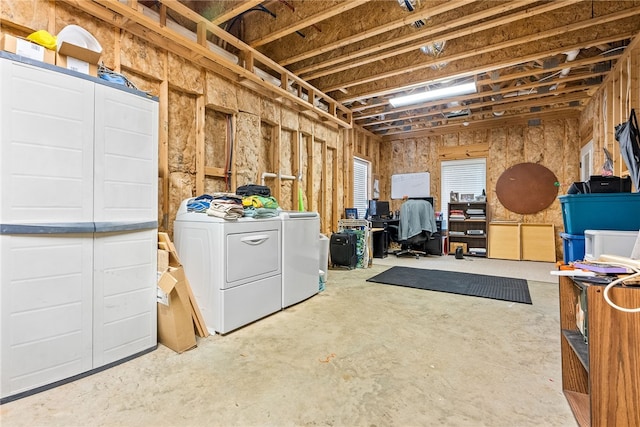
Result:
179,318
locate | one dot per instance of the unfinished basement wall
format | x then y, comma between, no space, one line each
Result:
610,106
364,145
553,144
205,118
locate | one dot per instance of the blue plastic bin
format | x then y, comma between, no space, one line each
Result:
573,245
600,211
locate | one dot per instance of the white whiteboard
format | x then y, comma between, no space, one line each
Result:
410,185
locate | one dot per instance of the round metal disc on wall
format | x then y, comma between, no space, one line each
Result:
527,188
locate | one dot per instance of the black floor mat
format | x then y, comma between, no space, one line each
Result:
479,285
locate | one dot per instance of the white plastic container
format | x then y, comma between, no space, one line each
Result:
609,242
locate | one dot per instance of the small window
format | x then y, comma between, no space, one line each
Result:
462,177
360,185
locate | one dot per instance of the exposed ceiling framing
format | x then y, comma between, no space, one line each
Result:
529,59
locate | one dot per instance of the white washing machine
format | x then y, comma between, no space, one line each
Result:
300,256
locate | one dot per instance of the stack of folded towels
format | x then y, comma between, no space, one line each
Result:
260,206
231,206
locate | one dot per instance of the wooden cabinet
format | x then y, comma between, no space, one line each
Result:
468,227
601,375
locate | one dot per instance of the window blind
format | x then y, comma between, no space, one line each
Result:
462,177
360,186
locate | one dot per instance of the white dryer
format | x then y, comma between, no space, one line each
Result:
300,256
234,267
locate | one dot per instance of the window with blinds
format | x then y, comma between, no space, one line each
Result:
360,186
462,177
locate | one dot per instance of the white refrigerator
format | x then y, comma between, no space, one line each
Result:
78,224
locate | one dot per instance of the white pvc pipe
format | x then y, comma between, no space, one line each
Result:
276,175
268,175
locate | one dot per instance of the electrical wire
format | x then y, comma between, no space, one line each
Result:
230,138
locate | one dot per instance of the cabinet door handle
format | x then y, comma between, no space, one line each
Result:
255,240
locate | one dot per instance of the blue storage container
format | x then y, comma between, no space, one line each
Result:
600,211
573,245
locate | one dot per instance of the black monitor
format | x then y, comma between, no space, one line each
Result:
379,209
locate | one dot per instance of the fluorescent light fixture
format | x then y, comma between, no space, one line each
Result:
431,95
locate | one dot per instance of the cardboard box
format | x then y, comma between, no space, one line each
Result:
163,260
167,254
28,49
75,64
175,325
78,58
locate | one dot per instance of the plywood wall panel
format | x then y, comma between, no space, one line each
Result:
266,147
554,144
182,132
499,162
215,136
137,54
184,75
247,148
215,185
317,178
516,143
289,119
248,101
323,133
269,111
305,124
143,83
287,141
304,167
220,93
29,13
181,186
331,190
534,152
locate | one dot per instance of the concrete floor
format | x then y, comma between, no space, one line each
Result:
357,354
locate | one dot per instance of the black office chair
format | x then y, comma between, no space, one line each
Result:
416,227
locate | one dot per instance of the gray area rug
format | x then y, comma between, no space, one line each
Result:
477,285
